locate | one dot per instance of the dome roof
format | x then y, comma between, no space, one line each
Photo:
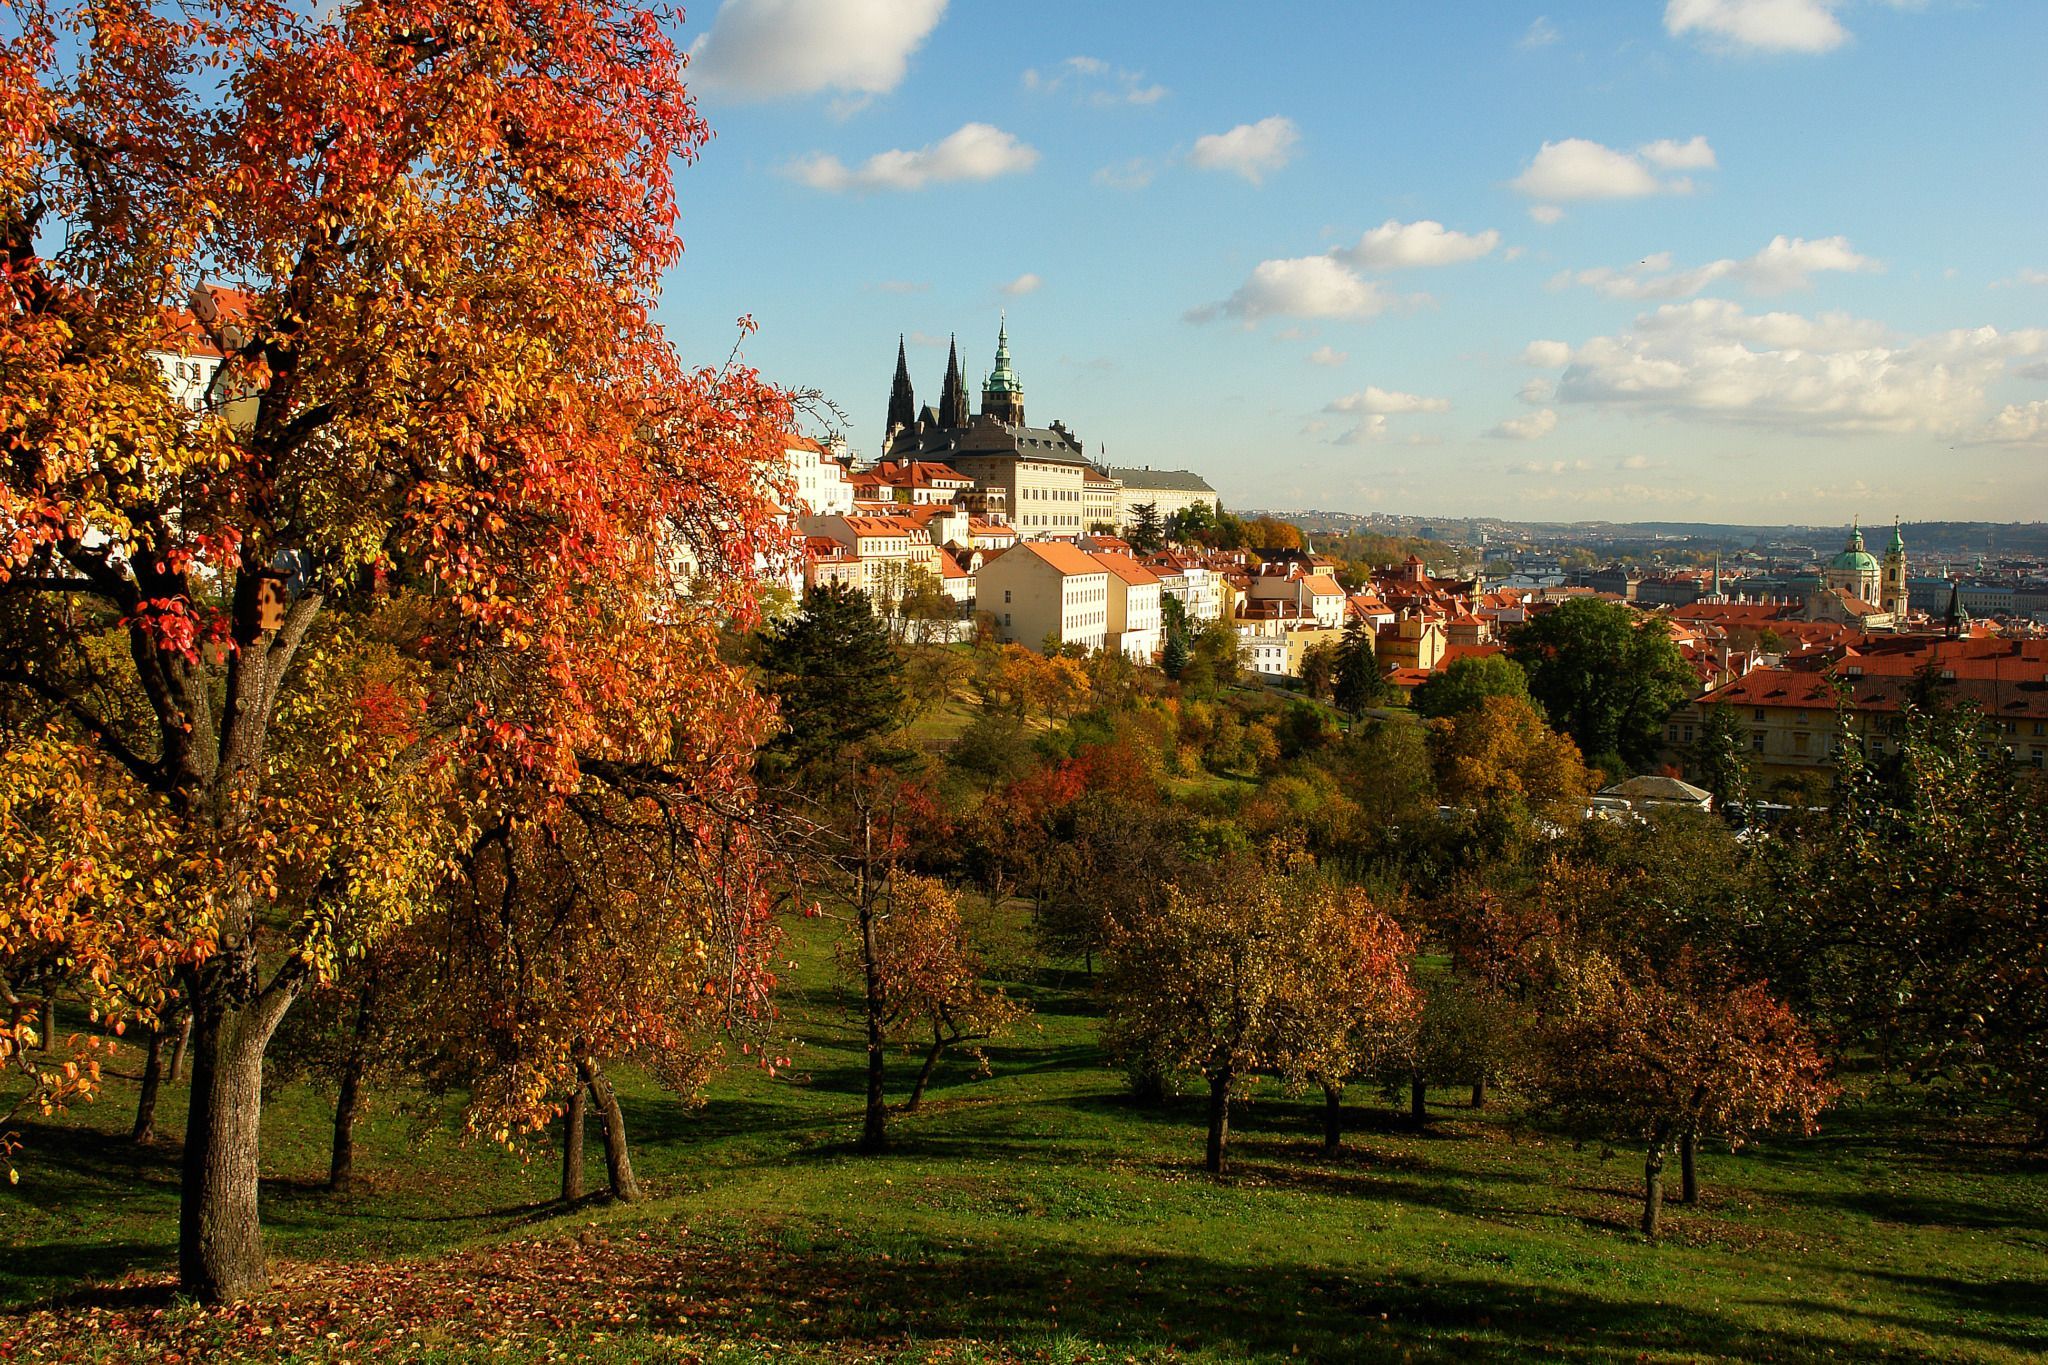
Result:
1862,561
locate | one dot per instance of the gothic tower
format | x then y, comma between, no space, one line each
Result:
1893,592
902,402
953,413
1002,397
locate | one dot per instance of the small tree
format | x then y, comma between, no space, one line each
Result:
930,977
1148,532
1229,980
1673,1058
836,675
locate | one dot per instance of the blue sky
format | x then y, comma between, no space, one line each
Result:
1722,260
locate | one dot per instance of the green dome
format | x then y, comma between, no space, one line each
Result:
1854,556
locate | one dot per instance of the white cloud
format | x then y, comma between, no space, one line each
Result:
1532,427
1541,33
1785,263
1537,392
1394,244
1025,283
2037,370
1251,150
1374,399
1674,155
2017,424
1546,355
1372,406
1636,462
1551,467
1327,355
1092,80
1303,287
1758,25
976,151
765,49
1709,359
1577,168
2024,275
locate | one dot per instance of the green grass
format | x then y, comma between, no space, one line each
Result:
1036,1214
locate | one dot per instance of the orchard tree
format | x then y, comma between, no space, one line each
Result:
1231,979
932,993
1500,761
1672,1058
434,236
1606,675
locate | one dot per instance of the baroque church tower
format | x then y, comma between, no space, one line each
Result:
1894,592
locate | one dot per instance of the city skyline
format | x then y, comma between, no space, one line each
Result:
1711,260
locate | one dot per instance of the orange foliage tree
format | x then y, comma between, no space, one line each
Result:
439,231
1254,972
1670,1056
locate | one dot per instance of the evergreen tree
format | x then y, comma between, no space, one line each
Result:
1149,532
835,675
1174,659
1359,681
1718,763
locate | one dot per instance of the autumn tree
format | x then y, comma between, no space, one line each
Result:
1502,763
1674,1056
417,250
1256,971
1606,676
932,993
1348,1001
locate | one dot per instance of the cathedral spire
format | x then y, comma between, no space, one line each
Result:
1002,397
953,399
902,402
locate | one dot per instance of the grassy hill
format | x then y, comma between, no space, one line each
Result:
1034,1213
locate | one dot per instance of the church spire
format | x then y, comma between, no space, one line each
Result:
902,402
953,398
1002,397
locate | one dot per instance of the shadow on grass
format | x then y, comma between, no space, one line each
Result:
831,1290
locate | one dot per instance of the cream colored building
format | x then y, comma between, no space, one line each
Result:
1044,588
1134,624
1100,493
890,549
1168,490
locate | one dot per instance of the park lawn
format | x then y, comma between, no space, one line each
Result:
1033,1213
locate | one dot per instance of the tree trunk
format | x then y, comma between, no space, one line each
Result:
1688,1178
178,1048
1418,1099
348,1103
49,1022
618,1162
1653,1187
1333,1119
1219,1120
152,1082
220,1234
924,1073
572,1148
874,1129
1479,1092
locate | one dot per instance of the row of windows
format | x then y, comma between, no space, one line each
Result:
1051,494
1051,520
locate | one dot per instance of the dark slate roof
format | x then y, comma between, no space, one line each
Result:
1175,479
986,436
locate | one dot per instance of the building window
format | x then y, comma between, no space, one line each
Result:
1759,713
1756,741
